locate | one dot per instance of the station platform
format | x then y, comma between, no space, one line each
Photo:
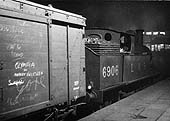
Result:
149,104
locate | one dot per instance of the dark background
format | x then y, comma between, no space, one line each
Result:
118,15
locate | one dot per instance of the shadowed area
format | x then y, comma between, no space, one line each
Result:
118,15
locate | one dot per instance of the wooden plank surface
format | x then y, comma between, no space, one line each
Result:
150,104
23,65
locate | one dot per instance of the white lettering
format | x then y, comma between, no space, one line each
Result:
22,65
76,83
15,54
117,70
13,46
76,88
17,82
26,84
11,29
19,74
110,71
104,72
38,73
29,74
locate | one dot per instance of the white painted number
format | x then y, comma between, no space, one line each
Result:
104,72
110,71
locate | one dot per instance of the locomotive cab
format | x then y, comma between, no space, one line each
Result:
132,42
137,64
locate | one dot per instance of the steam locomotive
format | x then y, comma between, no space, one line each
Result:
116,63
50,66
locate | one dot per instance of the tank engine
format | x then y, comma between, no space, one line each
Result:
114,62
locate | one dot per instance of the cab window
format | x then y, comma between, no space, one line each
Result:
125,43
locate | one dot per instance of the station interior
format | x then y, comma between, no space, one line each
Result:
58,79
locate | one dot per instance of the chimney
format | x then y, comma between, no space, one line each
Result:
139,37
